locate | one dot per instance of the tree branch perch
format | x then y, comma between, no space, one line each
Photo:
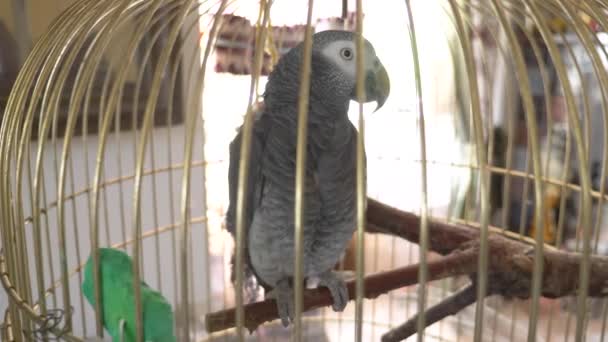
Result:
457,263
511,266
511,263
449,306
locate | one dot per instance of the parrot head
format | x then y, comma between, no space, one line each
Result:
333,72
339,48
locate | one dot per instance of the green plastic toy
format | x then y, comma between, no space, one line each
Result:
118,298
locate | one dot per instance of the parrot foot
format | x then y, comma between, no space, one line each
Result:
270,294
282,293
337,288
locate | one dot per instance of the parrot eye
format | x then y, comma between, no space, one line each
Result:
346,53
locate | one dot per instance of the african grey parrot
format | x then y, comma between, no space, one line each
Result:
330,188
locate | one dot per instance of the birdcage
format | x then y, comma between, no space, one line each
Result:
482,217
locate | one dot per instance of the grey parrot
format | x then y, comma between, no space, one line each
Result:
330,181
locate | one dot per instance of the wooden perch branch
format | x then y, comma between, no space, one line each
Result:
457,263
443,237
511,263
449,306
511,266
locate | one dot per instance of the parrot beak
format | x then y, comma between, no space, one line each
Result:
377,86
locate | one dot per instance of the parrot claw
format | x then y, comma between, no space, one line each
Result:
270,294
337,288
283,295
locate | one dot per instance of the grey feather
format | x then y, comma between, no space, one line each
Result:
330,190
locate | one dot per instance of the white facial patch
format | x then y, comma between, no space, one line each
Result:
334,52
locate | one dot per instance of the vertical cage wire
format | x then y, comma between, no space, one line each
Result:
424,239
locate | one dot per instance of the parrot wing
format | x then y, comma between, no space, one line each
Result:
255,178
255,182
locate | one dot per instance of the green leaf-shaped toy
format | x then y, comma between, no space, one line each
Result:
118,298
